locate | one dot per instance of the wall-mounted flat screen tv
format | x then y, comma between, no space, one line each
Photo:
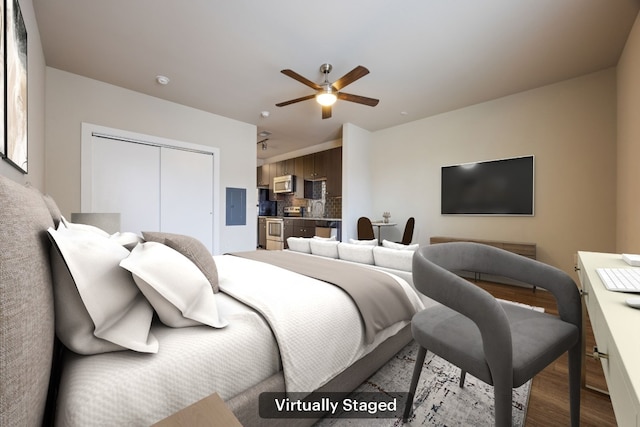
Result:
493,187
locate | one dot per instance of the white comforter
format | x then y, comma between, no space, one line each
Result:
316,337
317,325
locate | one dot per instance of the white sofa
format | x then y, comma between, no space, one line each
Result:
390,257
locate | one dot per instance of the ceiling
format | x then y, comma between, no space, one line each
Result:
425,57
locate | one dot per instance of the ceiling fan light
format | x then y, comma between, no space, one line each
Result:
326,99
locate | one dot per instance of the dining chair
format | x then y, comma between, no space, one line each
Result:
498,342
407,236
365,229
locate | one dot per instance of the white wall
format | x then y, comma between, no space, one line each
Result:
571,129
35,105
357,184
72,99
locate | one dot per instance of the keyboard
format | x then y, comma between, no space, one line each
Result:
620,279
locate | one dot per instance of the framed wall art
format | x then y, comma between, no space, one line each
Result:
2,80
15,69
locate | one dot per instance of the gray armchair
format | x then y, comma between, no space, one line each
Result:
499,343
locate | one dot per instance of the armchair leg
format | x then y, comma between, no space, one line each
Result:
463,374
422,352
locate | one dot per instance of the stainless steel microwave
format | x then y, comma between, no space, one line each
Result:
284,184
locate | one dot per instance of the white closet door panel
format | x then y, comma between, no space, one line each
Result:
186,205
126,179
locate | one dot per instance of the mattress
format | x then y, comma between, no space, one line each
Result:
128,388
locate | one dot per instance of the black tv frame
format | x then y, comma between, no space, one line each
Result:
499,187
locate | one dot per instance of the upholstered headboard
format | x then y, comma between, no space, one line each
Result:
26,305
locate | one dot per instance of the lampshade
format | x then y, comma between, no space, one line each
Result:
326,98
109,222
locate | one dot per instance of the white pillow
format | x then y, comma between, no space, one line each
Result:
325,248
98,306
393,258
299,244
372,242
127,239
176,288
83,227
393,245
356,253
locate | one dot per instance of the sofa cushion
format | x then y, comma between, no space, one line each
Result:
299,244
372,242
175,286
400,246
356,253
325,248
26,305
393,258
98,306
192,248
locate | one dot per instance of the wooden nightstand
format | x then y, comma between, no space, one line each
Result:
208,412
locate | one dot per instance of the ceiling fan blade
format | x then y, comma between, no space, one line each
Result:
350,77
371,102
301,79
293,101
326,112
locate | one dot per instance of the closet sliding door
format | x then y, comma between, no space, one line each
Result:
153,187
186,194
125,178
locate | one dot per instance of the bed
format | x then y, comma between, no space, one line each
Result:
273,330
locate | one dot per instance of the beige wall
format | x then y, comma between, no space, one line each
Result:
570,127
628,186
72,100
35,113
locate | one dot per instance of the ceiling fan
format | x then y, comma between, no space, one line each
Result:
327,93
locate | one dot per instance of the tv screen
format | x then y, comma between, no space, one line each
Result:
494,187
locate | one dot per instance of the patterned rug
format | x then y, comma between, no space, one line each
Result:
439,400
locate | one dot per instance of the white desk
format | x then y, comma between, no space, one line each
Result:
381,224
615,327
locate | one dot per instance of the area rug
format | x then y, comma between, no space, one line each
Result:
439,400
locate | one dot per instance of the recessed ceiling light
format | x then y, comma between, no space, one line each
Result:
264,134
163,80
404,113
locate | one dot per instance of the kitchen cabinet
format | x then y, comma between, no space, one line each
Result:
262,233
315,166
265,174
286,167
298,228
334,172
323,165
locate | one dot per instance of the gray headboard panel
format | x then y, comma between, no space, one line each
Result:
26,305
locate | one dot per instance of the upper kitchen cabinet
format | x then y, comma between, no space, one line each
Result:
315,166
286,167
334,172
264,176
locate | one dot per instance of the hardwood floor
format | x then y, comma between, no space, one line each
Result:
549,401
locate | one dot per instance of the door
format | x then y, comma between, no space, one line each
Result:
186,194
125,178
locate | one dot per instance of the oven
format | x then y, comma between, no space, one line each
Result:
275,233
